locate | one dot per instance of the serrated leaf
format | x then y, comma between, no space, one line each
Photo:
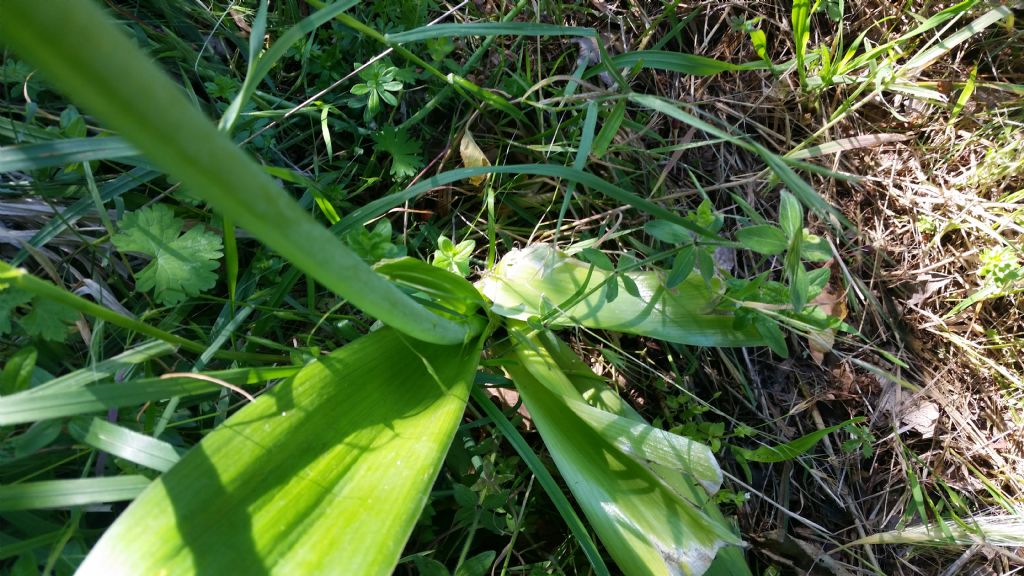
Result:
405,151
10,298
473,157
48,320
763,239
182,264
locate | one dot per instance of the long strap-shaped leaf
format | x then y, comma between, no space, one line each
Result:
647,526
596,392
79,49
326,473
538,278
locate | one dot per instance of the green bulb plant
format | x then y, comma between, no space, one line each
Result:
329,470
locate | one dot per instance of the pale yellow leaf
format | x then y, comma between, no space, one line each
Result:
473,157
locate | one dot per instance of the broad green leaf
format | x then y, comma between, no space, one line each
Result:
682,266
646,443
182,264
446,289
763,239
523,279
596,392
791,215
66,493
124,443
668,232
17,371
326,472
790,450
124,88
647,527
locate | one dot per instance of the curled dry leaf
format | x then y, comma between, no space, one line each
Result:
473,157
821,341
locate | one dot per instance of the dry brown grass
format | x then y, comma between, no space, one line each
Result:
942,394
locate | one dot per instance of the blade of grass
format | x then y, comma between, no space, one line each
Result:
486,29
260,65
793,182
377,207
63,152
128,444
32,406
79,49
67,493
690,64
106,368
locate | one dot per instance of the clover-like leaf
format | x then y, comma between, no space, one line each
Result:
182,264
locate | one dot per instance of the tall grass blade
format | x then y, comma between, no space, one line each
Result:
486,29
691,64
260,65
793,182
67,493
63,153
326,473
79,49
31,406
124,443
